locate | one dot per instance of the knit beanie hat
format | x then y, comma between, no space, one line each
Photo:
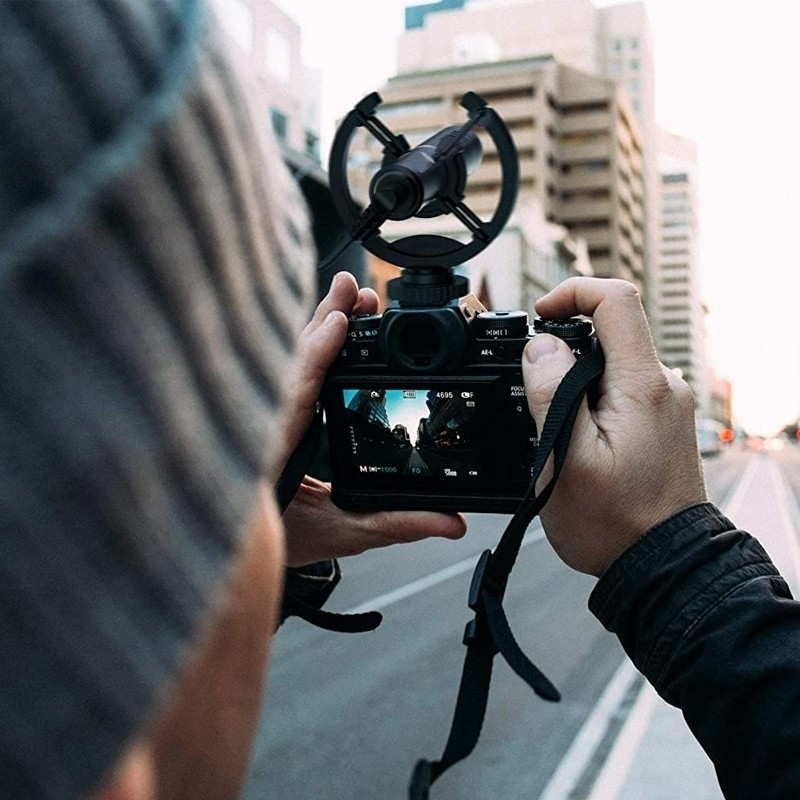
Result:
155,270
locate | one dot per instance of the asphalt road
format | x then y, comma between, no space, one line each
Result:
347,716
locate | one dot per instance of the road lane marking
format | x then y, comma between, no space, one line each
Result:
582,751
618,764
578,760
733,505
788,513
429,581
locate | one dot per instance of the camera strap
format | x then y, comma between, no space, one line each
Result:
489,633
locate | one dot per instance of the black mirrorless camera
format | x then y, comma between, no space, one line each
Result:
425,406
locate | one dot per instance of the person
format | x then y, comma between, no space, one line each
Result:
697,604
156,275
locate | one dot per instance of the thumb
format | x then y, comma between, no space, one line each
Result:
546,360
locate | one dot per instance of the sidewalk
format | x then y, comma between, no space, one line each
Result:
653,755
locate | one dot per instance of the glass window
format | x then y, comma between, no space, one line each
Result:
312,144
280,124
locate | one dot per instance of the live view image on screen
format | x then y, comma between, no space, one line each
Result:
423,432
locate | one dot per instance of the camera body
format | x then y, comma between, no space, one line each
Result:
426,408
425,405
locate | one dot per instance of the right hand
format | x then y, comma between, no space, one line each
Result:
633,460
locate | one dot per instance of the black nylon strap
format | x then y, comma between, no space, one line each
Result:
340,623
489,632
470,710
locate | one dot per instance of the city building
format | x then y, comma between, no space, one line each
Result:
284,93
370,405
613,42
720,405
267,50
679,321
580,206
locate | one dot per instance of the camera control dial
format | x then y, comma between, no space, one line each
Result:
501,325
566,328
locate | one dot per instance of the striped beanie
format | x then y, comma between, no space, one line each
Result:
155,269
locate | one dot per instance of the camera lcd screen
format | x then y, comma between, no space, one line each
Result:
417,433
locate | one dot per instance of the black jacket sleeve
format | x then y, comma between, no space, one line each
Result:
706,617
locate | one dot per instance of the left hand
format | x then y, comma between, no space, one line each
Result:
317,348
315,528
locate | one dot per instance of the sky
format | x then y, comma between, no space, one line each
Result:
726,76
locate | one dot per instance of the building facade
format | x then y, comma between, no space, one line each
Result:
266,48
580,206
614,42
679,323
284,94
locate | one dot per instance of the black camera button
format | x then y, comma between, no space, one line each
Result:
529,436
517,400
523,473
361,351
518,407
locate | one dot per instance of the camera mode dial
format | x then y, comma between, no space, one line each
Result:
501,325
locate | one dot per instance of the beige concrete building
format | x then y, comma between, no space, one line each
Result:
679,324
266,47
614,42
579,151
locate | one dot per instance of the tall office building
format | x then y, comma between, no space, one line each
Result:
679,325
580,160
614,42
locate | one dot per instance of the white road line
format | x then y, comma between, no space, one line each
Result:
732,507
577,759
615,771
585,744
790,523
421,585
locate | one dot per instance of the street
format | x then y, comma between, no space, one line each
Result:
347,716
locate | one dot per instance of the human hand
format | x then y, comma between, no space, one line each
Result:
317,530
316,350
633,460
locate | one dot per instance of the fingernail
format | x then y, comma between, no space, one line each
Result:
543,344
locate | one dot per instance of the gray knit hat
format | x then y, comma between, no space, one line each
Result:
154,273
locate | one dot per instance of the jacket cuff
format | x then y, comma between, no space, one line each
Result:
668,580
